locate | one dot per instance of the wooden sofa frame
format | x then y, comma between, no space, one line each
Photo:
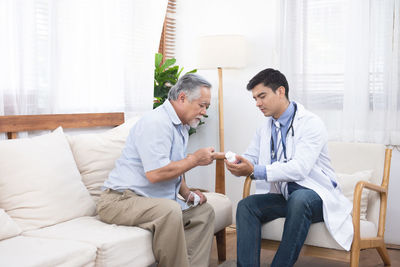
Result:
359,243
13,124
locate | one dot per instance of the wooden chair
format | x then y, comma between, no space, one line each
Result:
11,125
347,158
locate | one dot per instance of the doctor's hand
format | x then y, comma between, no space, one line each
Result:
243,168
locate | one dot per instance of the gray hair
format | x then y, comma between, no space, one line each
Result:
190,84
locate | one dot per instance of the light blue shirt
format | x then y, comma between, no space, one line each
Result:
285,119
158,138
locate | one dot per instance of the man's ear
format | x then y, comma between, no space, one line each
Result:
181,97
281,90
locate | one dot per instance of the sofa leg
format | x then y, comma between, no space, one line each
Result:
384,254
221,245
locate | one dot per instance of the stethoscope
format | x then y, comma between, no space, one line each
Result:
273,153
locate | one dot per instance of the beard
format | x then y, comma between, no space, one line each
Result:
195,122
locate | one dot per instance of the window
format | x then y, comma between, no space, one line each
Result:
341,58
167,40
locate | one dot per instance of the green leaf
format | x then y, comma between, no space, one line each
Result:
159,58
165,76
167,63
192,131
179,73
192,71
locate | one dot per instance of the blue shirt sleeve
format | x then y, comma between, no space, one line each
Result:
260,173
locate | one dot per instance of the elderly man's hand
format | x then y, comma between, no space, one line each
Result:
204,156
203,198
243,168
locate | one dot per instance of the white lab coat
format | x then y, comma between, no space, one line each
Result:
308,165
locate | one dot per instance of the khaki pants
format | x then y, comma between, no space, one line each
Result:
180,238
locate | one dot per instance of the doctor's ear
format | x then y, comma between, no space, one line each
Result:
281,90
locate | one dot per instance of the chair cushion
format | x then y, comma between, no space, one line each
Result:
318,235
24,251
40,184
116,245
353,157
222,206
8,228
95,154
347,183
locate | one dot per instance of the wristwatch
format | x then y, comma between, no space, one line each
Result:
252,177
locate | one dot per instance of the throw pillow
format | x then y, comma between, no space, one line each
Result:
40,184
95,154
347,183
8,228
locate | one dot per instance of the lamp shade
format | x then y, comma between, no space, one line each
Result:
221,51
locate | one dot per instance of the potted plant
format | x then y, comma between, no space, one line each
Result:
165,76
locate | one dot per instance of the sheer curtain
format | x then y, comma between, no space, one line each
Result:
342,59
78,55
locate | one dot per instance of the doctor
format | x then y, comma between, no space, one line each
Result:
289,160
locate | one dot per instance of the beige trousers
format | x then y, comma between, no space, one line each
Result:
180,238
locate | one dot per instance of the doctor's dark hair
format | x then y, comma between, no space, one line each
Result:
190,84
270,78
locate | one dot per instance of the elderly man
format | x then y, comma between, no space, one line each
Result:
142,190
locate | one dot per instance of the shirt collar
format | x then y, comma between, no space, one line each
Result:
171,112
285,117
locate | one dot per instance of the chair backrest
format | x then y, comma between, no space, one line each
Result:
352,157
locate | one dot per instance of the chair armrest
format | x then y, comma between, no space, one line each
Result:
357,204
357,195
383,192
365,184
246,187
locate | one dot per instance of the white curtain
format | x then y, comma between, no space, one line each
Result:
342,60
75,56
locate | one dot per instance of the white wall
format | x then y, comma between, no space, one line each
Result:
392,233
257,20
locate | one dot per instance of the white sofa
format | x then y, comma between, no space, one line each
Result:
49,185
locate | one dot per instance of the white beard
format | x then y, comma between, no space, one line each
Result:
194,123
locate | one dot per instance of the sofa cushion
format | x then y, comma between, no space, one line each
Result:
40,184
116,245
95,154
348,183
222,206
318,235
8,228
24,251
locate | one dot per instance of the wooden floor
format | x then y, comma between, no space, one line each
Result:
368,258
